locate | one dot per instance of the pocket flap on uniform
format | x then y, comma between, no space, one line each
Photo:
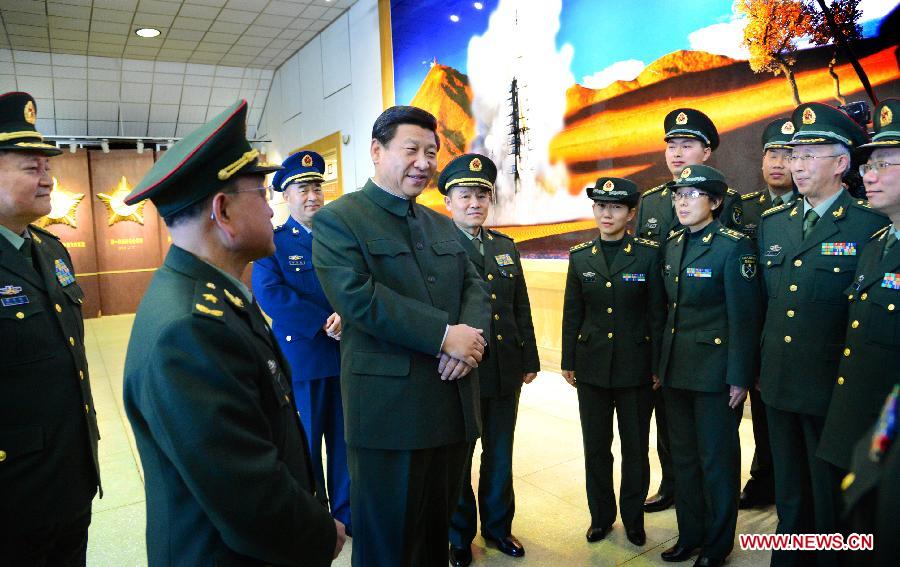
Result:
19,307
21,440
380,364
386,247
711,337
769,261
447,247
74,293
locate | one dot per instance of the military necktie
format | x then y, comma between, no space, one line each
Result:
777,201
479,244
809,221
26,252
889,243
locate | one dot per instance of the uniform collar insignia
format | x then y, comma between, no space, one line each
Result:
237,301
838,213
593,250
707,238
295,230
628,248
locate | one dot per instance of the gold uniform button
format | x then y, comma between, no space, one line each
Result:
790,312
608,284
793,287
289,338
769,263
286,398
676,279
891,307
609,309
787,339
58,308
72,341
847,351
2,455
579,337
855,324
609,335
493,296
490,276
81,374
674,305
864,297
496,316
798,263
840,380
837,270
20,315
499,337
673,330
718,341
87,408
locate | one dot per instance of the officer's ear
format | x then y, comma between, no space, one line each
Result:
376,150
447,200
631,212
707,151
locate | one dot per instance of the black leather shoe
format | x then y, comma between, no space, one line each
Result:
637,536
659,502
509,545
708,562
460,556
678,553
596,534
754,497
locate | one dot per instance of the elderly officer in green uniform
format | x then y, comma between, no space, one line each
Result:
808,252
708,362
467,183
48,425
227,470
873,333
776,171
413,311
613,315
691,138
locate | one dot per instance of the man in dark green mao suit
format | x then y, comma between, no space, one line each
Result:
413,310
228,475
467,184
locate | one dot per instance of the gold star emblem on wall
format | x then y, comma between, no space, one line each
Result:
63,205
116,207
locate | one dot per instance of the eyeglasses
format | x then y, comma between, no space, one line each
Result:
265,191
806,158
876,166
692,195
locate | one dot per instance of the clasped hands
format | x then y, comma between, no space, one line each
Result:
462,350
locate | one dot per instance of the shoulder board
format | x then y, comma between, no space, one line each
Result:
732,234
646,242
280,227
498,233
731,191
781,207
676,233
42,231
581,246
749,196
864,205
879,232
653,190
208,301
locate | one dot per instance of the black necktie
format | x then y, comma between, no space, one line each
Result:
889,243
777,201
809,221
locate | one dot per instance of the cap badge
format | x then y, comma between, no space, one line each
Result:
307,161
809,116
475,164
685,173
787,127
609,185
886,116
681,119
30,113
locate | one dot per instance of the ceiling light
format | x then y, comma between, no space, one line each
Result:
147,32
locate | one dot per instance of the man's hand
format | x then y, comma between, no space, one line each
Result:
332,326
569,375
529,377
464,343
452,368
341,538
737,396
656,383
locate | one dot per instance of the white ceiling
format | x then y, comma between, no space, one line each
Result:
238,33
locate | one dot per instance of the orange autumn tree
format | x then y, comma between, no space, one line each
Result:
846,14
772,32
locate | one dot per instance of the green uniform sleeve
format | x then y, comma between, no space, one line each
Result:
656,311
522,305
573,316
743,304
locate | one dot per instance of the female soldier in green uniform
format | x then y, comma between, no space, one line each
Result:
612,323
707,363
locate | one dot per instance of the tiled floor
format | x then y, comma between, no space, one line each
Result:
551,510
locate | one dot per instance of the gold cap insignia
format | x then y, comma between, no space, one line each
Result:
787,127
886,116
609,185
685,173
475,164
307,161
681,119
809,116
30,112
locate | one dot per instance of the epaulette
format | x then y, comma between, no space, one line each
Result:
880,232
43,231
208,301
653,190
732,234
675,233
750,196
864,205
581,246
498,233
781,207
279,227
647,242
731,191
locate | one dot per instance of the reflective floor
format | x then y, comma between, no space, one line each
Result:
551,509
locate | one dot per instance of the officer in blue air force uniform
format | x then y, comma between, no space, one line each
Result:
306,326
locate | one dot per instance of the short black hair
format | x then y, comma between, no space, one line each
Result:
385,126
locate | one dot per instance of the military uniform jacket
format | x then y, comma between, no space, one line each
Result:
48,424
286,286
398,275
870,365
712,333
754,205
513,349
805,283
656,218
228,475
613,315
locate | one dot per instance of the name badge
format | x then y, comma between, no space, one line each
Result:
63,274
839,249
891,281
503,260
13,301
698,272
634,277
